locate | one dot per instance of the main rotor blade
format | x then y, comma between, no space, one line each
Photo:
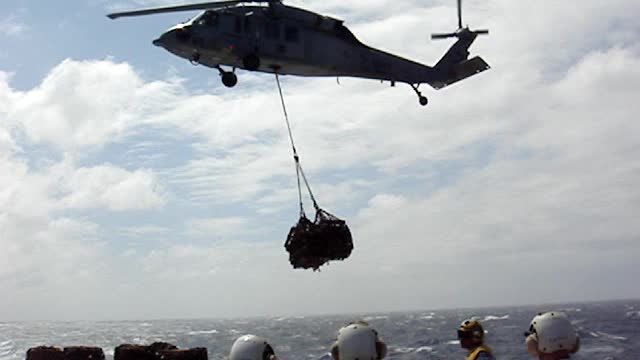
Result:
200,6
459,14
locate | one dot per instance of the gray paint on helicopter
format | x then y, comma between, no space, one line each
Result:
293,41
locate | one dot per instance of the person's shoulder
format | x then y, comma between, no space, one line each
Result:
483,355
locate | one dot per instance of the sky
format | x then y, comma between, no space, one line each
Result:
133,185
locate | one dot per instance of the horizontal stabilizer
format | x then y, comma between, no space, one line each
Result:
460,71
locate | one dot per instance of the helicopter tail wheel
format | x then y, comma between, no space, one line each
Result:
251,62
229,79
423,99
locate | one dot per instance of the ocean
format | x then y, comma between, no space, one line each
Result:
608,331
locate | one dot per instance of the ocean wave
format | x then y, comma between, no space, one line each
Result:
6,345
7,349
407,350
424,349
307,339
403,350
607,349
572,310
377,317
605,335
495,317
633,315
428,316
203,332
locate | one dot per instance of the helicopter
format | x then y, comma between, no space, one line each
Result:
269,36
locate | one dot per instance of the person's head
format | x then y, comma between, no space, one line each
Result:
551,336
470,334
251,347
358,341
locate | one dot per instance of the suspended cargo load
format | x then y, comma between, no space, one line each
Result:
313,244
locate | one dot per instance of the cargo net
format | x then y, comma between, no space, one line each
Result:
312,244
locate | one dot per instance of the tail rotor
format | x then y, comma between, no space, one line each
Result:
462,31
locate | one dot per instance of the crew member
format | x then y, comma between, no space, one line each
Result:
358,341
471,336
552,337
251,347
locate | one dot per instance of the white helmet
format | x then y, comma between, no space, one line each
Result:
251,347
357,342
554,332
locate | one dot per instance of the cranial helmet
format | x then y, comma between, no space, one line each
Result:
251,347
471,329
552,332
358,341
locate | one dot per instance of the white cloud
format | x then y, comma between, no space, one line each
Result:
43,253
10,26
107,186
7,145
87,103
144,230
222,227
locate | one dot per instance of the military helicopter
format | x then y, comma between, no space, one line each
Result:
268,36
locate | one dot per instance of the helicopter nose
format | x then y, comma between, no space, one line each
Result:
174,36
163,40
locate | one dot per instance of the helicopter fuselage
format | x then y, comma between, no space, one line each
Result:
291,41
288,40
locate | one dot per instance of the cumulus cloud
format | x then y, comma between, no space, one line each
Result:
51,253
42,250
107,186
86,103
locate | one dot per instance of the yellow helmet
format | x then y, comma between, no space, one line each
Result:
471,329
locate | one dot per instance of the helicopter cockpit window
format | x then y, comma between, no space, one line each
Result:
291,34
209,18
272,30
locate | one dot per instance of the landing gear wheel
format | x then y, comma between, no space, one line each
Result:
229,79
251,62
423,99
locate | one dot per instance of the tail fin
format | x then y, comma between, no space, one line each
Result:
455,65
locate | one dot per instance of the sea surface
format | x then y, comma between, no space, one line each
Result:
608,330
